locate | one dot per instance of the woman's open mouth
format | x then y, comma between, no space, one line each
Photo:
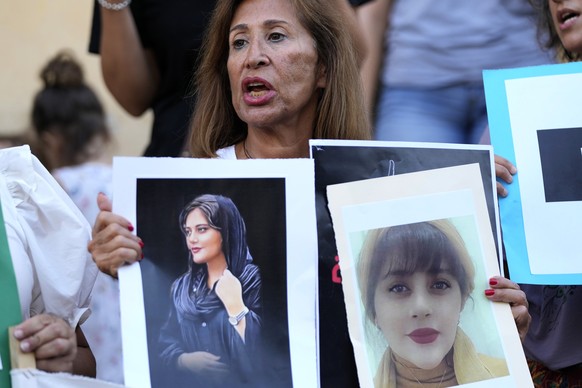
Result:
257,91
566,18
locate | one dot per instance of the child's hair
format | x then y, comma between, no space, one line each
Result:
431,246
70,109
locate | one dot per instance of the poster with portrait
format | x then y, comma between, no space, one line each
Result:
186,319
535,122
339,161
416,252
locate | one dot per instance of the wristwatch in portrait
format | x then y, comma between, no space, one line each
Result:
234,320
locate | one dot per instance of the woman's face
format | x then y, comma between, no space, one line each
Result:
568,23
273,66
418,315
204,242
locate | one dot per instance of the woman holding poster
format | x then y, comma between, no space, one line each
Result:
414,281
263,90
211,336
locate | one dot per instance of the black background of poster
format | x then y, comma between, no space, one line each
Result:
340,164
561,163
261,202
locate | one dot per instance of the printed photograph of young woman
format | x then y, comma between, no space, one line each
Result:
416,281
214,326
205,284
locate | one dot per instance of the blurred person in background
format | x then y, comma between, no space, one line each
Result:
423,71
72,139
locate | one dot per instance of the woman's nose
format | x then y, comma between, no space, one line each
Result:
421,305
256,55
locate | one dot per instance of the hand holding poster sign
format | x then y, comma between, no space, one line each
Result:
423,339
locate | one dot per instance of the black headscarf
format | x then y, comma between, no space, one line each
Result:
190,292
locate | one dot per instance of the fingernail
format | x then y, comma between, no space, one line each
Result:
130,227
489,292
492,281
141,244
141,256
18,334
25,346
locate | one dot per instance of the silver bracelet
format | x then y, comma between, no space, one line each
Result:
114,6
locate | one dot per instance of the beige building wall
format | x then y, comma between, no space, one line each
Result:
32,31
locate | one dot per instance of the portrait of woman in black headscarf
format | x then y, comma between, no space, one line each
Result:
211,336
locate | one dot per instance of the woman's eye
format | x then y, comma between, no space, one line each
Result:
238,43
202,229
399,288
441,285
276,37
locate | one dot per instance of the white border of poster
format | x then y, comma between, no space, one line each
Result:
300,242
542,239
454,193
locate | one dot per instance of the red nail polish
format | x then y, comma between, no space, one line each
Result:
489,292
141,244
492,281
130,227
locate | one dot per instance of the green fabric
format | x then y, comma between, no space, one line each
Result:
9,303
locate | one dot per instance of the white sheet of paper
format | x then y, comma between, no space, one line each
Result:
451,193
545,223
301,253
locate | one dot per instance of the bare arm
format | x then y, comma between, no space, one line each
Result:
84,364
373,20
229,290
129,71
353,27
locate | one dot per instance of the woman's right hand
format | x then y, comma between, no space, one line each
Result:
113,243
505,170
202,363
505,290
